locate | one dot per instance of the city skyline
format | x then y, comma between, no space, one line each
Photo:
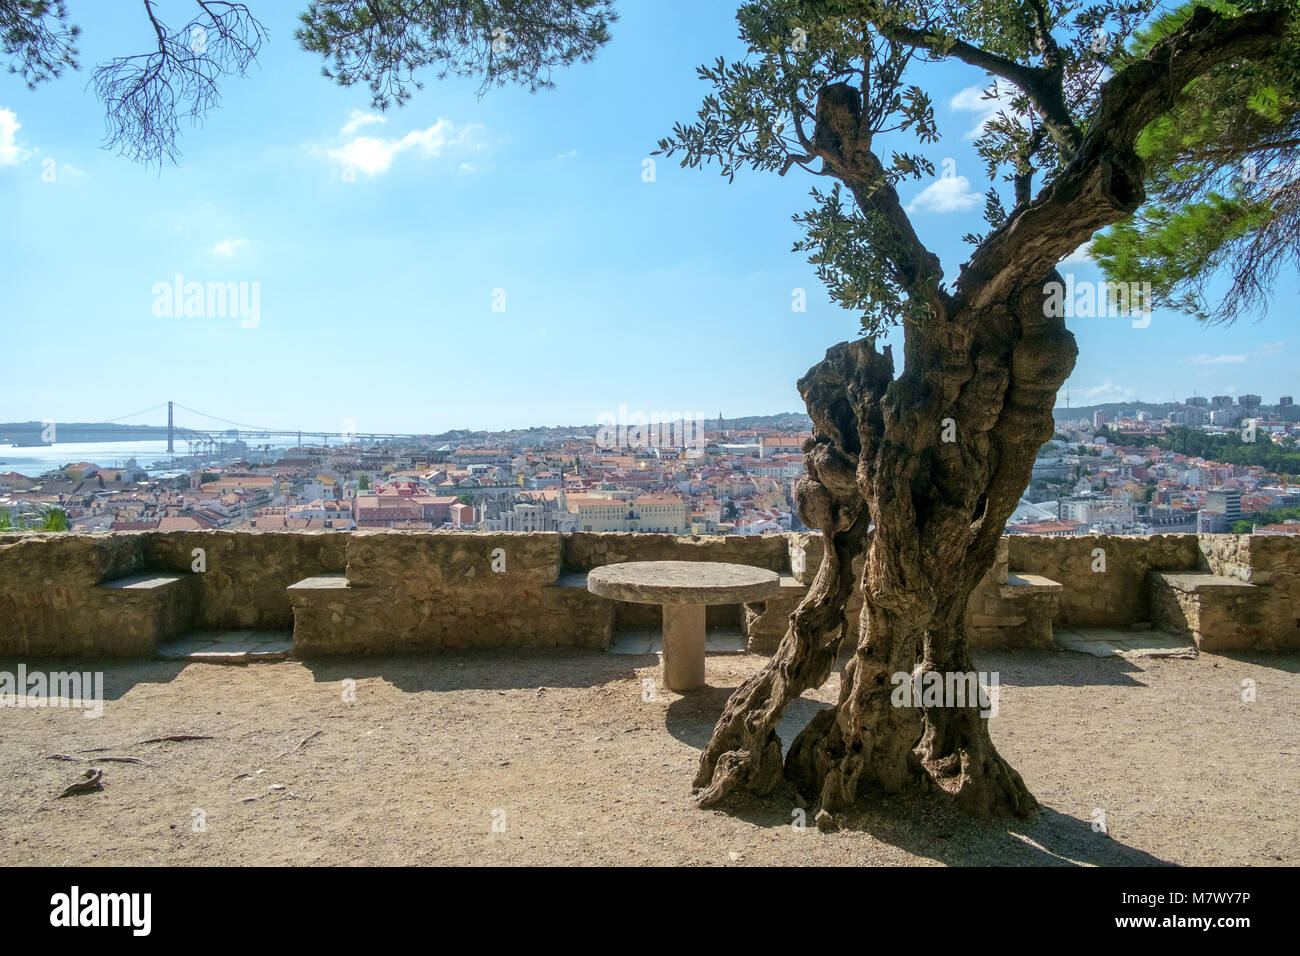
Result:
627,418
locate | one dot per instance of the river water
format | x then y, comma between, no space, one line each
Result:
33,461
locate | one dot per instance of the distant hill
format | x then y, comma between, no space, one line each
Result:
1076,412
791,421
29,433
787,421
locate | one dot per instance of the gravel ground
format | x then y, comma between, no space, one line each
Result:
564,751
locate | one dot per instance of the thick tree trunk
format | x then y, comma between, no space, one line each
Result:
745,750
924,471
939,458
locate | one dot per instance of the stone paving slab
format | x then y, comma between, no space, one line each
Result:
336,581
176,650
724,640
631,642
228,647
144,582
1109,642
720,640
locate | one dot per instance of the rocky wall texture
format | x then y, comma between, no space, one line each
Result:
448,590
50,604
1103,577
585,550
246,572
401,590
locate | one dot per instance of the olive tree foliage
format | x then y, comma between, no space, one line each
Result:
1223,192
381,43
1048,63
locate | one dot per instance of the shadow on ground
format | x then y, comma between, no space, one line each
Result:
692,717
1288,663
120,674
509,669
928,825
931,826
1059,668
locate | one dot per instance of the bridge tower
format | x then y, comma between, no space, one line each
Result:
171,431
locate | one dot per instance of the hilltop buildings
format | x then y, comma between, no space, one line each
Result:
1111,474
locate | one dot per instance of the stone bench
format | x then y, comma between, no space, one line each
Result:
146,609
1023,615
332,614
323,614
1219,613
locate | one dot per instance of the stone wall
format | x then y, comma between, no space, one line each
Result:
389,590
246,572
48,600
1271,562
1117,596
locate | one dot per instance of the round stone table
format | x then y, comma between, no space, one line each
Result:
683,588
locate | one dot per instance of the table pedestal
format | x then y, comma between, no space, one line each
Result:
683,646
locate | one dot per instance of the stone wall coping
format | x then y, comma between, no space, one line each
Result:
1198,582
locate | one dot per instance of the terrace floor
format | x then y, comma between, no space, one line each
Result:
587,772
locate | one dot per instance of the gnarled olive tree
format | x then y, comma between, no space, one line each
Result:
919,470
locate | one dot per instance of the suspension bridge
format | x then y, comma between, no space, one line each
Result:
226,430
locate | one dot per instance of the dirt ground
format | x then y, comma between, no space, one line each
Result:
581,770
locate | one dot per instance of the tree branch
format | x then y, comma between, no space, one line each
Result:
1103,182
1142,91
1042,86
840,142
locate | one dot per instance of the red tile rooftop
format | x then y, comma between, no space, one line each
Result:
1044,527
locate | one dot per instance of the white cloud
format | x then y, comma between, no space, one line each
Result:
467,167
373,155
228,247
360,118
1239,358
972,100
9,127
946,194
571,154
1108,391
1080,256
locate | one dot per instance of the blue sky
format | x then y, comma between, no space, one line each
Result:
376,294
